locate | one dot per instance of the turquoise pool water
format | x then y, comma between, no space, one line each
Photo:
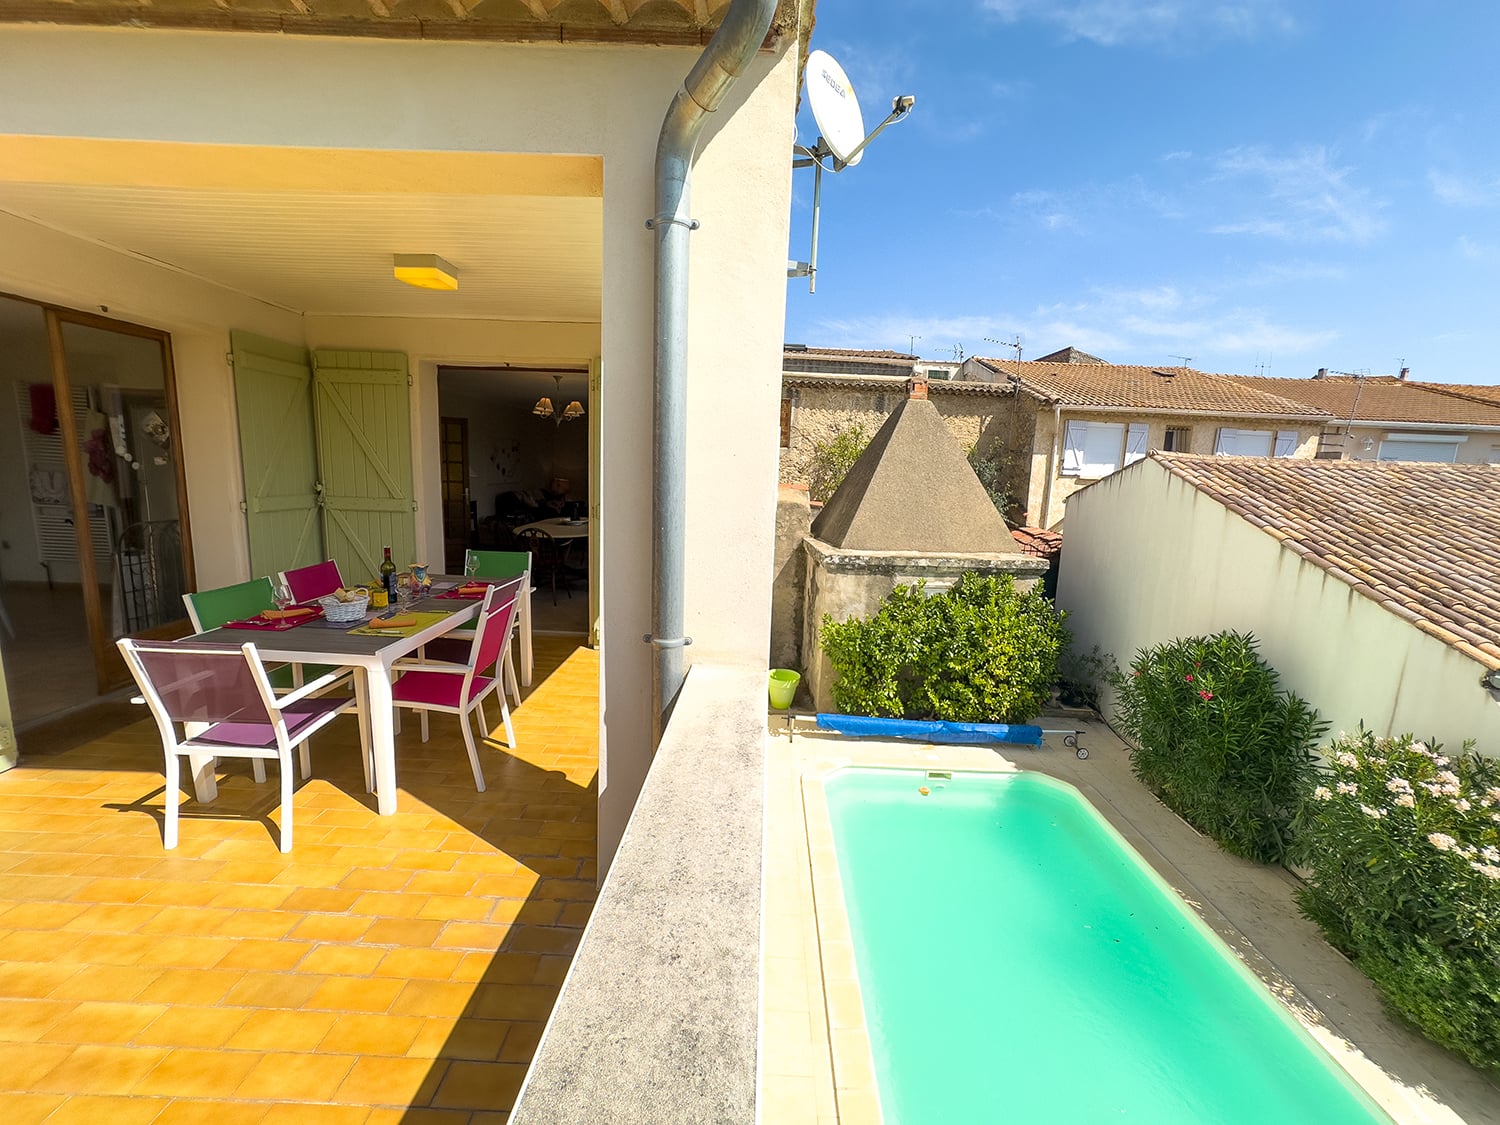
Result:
1020,963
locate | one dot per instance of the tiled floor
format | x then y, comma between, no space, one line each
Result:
389,969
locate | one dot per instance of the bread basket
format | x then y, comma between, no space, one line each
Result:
345,613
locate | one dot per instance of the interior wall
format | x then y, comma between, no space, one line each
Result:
24,358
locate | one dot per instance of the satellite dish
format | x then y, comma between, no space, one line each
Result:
834,107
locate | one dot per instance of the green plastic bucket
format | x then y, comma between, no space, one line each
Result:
783,684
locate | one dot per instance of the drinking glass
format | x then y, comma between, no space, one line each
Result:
281,594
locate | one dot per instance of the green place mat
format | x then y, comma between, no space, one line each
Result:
422,621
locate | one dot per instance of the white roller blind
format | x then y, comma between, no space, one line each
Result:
1243,443
1418,451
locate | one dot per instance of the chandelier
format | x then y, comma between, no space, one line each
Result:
545,409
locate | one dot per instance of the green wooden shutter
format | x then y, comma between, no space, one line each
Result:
362,407
273,396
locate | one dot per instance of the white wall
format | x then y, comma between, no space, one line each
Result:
24,358
1147,557
377,94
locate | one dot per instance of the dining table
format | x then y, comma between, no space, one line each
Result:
558,528
372,659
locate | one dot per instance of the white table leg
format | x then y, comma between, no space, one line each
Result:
382,738
205,784
526,658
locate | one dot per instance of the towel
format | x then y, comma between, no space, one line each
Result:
43,408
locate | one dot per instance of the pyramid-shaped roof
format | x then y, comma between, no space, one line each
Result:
913,490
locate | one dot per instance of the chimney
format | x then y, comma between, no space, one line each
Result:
918,387
1405,371
1322,373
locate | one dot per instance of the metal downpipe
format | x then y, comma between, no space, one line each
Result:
728,53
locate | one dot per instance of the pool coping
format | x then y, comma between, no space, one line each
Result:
802,764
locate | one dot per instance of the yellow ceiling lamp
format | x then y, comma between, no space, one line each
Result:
426,271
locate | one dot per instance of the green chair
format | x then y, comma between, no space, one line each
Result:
498,565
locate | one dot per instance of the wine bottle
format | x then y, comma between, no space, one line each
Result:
388,577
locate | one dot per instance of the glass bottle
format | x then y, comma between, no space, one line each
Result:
388,577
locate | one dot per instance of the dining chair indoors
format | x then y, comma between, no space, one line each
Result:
309,582
223,703
460,688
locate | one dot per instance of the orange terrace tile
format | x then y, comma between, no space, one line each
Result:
390,969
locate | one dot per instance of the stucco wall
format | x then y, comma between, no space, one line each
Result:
1481,448
1205,431
1148,558
599,100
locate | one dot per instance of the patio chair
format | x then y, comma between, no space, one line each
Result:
460,688
309,582
210,609
494,565
227,694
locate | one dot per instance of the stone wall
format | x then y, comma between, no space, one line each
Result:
793,523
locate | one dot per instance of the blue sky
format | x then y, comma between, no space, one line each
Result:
1266,187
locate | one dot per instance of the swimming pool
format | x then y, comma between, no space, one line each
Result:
1018,962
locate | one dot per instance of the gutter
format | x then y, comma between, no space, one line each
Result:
723,61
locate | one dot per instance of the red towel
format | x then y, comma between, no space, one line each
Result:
43,408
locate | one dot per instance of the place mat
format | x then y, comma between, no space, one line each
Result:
419,621
260,621
467,593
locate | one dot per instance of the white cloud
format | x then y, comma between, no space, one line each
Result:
1311,197
1281,273
1112,23
1464,191
1477,251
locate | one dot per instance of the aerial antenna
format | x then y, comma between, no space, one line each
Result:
841,139
911,347
1186,360
958,353
1016,343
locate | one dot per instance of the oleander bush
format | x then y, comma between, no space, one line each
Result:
980,652
1402,846
1218,740
832,460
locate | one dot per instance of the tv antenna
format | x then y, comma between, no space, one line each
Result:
841,139
958,353
1184,359
911,347
1016,343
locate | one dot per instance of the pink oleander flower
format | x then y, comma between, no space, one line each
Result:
1344,758
1406,801
1189,677
1442,841
1462,805
1322,793
1488,870
1373,814
1398,785
1205,695
1347,788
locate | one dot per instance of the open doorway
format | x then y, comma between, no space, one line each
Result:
93,540
514,469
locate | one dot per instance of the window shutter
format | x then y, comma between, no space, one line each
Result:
1286,443
1135,443
1074,437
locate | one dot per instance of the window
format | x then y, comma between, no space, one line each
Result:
937,373
1286,443
1092,449
1406,449
1243,443
1179,439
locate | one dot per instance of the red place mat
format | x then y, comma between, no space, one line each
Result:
276,626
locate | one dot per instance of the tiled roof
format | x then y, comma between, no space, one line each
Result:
1482,392
1421,539
792,351
1039,541
890,383
1155,390
1382,398
1068,355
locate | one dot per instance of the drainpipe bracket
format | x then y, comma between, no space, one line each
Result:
666,642
691,224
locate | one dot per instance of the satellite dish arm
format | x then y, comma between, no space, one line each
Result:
900,107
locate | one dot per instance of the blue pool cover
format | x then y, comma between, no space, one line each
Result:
931,731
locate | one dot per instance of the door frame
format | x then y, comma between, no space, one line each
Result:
109,670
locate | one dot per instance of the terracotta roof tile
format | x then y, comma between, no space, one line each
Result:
889,383
1382,398
1479,392
1038,541
793,351
1159,390
1420,539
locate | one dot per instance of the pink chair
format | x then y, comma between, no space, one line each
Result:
226,707
456,646
460,688
310,582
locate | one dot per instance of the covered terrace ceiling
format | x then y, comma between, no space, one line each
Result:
633,21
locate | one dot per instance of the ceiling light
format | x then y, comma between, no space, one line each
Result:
426,271
545,409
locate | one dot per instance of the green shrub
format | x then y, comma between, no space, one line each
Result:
991,473
832,460
1402,845
979,653
1218,740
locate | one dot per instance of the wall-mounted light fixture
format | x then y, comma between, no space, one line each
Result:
545,409
1491,679
1369,444
426,271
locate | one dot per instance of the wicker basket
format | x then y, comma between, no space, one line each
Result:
344,613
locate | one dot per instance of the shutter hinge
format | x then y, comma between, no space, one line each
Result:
229,358
408,380
244,508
